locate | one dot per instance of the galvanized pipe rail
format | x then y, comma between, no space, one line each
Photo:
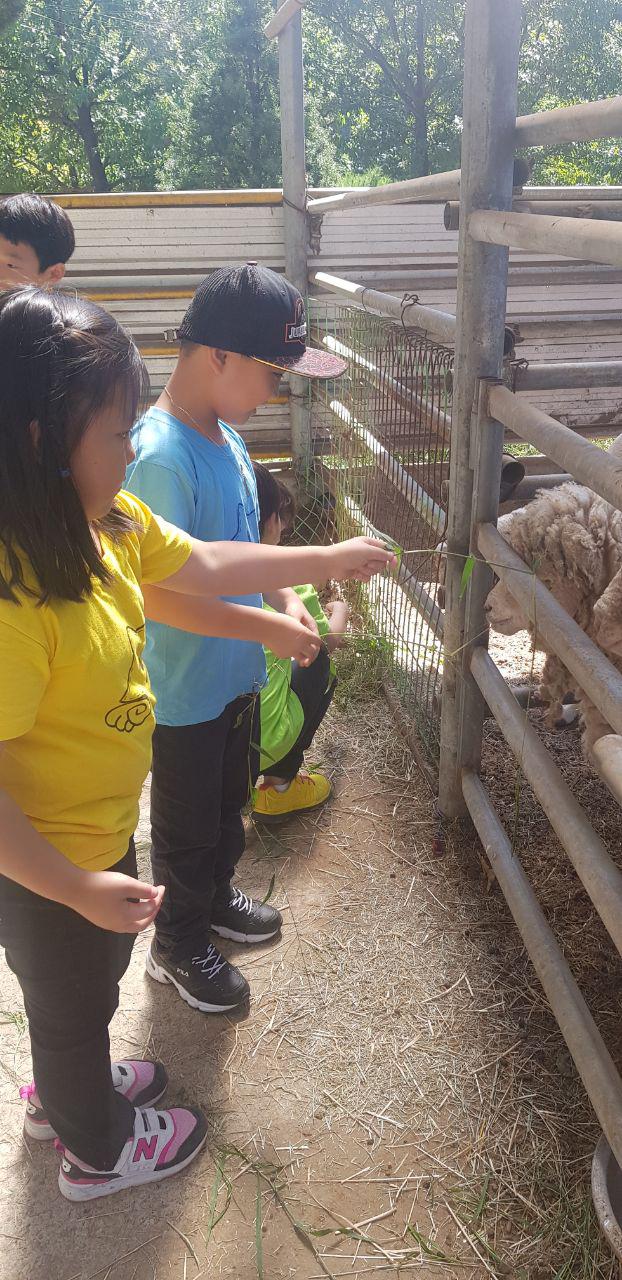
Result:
600,471
600,210
582,122
586,851
433,188
590,1054
288,10
572,237
560,374
529,486
571,193
606,756
440,324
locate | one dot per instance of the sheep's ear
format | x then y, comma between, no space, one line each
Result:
606,628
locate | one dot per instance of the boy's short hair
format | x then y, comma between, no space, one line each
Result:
40,223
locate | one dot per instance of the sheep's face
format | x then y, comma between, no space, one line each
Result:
503,612
505,615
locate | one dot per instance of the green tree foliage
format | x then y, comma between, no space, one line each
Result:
77,100
127,94
572,52
229,132
10,11
392,70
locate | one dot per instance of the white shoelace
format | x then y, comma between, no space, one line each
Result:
241,902
211,963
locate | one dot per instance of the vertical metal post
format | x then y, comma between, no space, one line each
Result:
492,34
487,452
291,92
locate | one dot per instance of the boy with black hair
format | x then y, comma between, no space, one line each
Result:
244,328
36,241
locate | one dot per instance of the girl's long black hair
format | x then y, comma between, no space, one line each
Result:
62,359
274,498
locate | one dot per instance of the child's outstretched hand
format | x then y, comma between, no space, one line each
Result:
117,902
360,558
289,638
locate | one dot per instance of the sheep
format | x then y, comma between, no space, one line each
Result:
573,540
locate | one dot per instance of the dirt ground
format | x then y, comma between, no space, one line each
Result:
396,1100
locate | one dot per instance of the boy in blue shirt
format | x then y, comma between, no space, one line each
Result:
243,329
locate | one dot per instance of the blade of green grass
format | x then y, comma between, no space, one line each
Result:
428,1249
270,888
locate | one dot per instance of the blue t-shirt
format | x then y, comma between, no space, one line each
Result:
209,490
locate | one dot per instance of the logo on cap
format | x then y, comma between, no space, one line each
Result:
296,330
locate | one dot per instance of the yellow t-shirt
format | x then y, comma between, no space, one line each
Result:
76,708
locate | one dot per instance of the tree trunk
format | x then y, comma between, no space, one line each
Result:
420,151
86,129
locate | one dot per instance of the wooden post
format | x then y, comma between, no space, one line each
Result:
291,93
492,35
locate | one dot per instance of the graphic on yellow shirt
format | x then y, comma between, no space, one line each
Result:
76,709
134,707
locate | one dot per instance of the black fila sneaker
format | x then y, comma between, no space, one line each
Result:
206,981
242,919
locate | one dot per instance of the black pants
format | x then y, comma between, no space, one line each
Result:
69,971
202,775
314,687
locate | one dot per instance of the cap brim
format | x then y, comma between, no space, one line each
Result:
313,364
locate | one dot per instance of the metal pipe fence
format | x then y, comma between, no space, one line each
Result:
379,462
483,407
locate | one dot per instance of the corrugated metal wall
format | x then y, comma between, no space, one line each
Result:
142,255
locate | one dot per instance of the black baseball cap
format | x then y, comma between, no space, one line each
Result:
256,312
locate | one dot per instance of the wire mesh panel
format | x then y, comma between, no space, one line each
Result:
380,441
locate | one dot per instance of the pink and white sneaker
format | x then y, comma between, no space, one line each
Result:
163,1142
141,1082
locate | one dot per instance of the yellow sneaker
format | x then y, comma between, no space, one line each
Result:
307,791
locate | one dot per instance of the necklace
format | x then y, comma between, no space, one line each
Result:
180,409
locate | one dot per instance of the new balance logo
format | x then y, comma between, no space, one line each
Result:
145,1149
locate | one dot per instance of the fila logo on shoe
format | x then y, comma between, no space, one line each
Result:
145,1149
184,972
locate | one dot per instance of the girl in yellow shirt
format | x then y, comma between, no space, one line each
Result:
81,565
